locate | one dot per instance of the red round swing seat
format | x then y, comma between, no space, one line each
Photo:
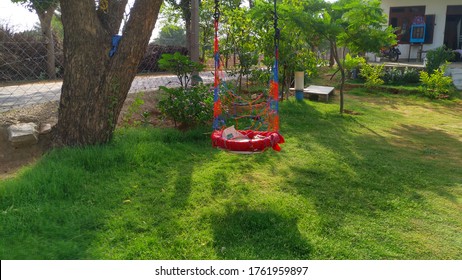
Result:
253,142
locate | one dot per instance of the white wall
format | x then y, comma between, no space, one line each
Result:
432,7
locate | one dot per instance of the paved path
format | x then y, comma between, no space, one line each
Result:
35,93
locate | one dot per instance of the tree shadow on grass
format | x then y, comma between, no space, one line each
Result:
109,202
437,154
254,234
369,175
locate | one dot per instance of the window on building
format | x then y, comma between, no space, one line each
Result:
402,18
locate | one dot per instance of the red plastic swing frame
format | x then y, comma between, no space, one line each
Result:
257,142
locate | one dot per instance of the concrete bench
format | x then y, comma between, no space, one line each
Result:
318,90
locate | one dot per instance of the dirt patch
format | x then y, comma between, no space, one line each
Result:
135,113
12,158
351,112
139,109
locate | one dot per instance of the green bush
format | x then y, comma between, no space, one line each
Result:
134,108
352,64
181,65
260,76
396,76
411,76
187,107
393,76
436,84
372,74
437,57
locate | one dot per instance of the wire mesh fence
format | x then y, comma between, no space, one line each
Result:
27,78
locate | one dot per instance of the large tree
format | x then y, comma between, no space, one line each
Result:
185,7
45,11
356,25
95,84
190,13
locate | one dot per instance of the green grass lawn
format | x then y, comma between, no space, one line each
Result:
384,184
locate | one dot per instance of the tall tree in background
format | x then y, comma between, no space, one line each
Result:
207,28
194,39
45,11
296,48
171,35
190,13
185,7
356,25
227,36
95,84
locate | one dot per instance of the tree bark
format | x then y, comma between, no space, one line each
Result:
194,52
187,26
96,85
342,72
331,57
185,7
45,18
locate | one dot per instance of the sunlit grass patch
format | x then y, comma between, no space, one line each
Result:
384,184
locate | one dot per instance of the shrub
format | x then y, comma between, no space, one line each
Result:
436,84
352,64
372,74
393,76
437,57
260,76
181,65
411,75
187,106
396,76
134,108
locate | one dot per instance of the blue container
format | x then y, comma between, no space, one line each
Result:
299,95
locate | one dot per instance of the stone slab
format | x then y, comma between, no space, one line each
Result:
23,134
320,90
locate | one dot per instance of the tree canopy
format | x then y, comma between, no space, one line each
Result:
171,35
358,26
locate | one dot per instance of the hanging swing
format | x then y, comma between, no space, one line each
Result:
257,111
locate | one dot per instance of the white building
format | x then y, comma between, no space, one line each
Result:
442,20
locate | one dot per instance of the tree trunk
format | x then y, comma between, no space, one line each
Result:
342,86
205,40
45,18
96,85
187,24
194,54
334,50
331,57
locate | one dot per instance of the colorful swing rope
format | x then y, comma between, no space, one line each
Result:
249,141
217,121
274,84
